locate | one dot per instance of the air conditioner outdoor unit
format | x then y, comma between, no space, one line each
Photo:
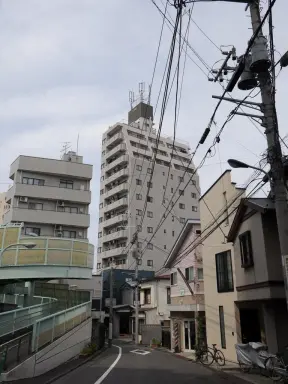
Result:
59,234
59,227
23,199
61,203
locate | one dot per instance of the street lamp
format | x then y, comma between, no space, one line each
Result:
26,245
239,164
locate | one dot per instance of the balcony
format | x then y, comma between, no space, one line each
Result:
115,151
115,220
114,139
117,189
115,235
117,204
120,160
16,214
117,175
49,192
113,252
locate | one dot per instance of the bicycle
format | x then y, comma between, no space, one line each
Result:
276,367
209,355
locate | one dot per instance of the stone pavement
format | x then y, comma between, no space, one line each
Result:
232,369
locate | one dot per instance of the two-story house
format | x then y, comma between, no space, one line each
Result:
186,292
261,306
154,297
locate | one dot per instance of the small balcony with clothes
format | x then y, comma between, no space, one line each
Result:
111,177
114,250
114,140
115,189
116,151
115,220
116,163
115,204
117,233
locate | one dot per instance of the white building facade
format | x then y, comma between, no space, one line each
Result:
128,151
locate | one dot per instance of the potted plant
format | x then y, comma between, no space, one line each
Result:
155,343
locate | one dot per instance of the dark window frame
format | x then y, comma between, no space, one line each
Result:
223,261
168,295
37,231
246,249
222,326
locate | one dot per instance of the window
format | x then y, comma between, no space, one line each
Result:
149,214
194,208
98,265
99,235
100,205
138,182
139,261
102,165
193,182
149,170
181,179
29,230
222,327
165,246
168,295
172,218
100,219
139,167
224,272
150,199
200,275
181,192
163,173
103,153
138,196
150,246
99,249
139,244
139,212
171,176
32,181
172,190
173,233
150,263
149,184
102,178
69,234
182,220
67,209
139,228
101,191
147,293
66,184
198,232
246,249
149,229
193,195
165,231
189,273
164,187
38,206
181,206
173,278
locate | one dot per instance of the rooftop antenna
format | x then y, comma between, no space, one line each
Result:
149,94
77,144
65,147
131,98
141,91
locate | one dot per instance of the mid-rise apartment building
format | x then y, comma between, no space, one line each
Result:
3,206
128,151
51,197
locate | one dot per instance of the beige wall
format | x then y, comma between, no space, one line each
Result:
212,245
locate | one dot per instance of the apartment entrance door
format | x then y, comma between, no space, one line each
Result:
189,335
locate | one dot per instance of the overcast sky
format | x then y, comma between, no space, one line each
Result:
67,66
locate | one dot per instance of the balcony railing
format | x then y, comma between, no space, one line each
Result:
114,151
113,252
117,175
115,235
117,162
114,139
116,189
116,204
114,220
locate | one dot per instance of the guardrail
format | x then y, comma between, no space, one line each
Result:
50,328
15,351
50,251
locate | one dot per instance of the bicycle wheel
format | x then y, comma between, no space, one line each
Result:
206,358
220,358
274,367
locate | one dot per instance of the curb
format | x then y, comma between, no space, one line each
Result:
82,362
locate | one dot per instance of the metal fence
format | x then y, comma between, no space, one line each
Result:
15,351
50,328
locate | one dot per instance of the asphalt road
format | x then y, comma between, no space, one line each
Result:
120,365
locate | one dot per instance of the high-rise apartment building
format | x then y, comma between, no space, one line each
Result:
51,197
126,166
3,206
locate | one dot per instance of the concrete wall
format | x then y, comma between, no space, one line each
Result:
211,246
60,351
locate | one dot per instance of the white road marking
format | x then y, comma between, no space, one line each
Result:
105,374
140,352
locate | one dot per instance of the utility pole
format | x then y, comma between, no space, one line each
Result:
110,331
136,255
278,186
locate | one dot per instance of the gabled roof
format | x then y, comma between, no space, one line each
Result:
260,205
178,243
